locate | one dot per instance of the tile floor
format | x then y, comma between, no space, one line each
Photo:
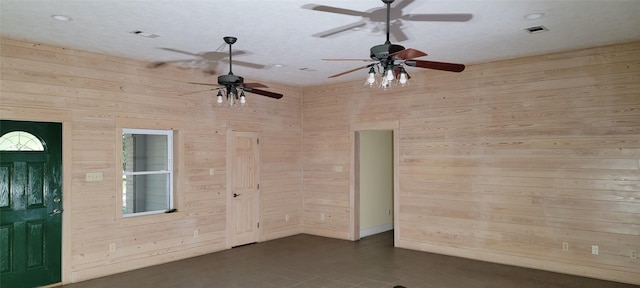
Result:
305,261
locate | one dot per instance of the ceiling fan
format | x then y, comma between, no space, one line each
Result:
390,59
207,61
377,17
232,84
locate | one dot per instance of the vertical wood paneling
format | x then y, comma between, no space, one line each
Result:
503,162
92,92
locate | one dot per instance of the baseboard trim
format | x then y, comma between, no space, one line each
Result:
376,230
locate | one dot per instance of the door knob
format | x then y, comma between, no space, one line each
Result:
235,195
56,199
55,211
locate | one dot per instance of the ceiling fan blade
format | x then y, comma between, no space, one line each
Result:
340,29
162,63
255,85
438,17
248,64
444,66
212,56
349,59
208,84
209,71
180,51
336,10
396,32
408,53
352,70
401,4
263,93
236,52
210,67
156,64
198,91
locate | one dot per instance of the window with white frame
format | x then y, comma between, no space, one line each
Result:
147,177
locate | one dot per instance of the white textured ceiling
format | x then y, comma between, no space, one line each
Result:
287,31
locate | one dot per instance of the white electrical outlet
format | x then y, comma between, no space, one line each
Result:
322,216
565,246
196,233
112,247
286,217
212,171
594,249
634,254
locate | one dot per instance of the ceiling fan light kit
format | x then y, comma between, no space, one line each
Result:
389,77
231,99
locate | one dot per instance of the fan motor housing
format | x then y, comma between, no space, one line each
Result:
381,52
230,79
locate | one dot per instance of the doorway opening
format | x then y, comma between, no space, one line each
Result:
374,182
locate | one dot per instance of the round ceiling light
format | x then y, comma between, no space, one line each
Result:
533,16
62,18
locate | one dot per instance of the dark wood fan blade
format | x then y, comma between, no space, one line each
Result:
208,84
409,53
263,93
349,71
336,10
451,67
438,17
340,29
255,85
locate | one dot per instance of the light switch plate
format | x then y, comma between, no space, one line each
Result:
95,176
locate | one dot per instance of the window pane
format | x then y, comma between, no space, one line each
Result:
144,152
20,141
143,193
147,171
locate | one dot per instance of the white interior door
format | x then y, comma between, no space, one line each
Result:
245,190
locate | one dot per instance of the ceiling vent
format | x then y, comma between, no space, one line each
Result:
144,34
536,29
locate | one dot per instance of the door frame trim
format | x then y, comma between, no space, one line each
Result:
64,117
354,189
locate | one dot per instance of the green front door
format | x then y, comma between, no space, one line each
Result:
30,203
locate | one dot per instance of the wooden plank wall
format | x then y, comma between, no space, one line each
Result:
96,94
503,162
